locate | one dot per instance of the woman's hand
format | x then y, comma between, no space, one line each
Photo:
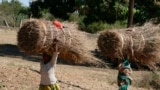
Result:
55,41
127,72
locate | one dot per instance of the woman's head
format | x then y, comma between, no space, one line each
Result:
46,57
126,64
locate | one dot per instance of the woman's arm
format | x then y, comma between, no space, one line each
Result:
55,54
54,58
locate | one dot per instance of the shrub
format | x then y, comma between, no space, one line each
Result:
74,16
46,14
99,26
95,27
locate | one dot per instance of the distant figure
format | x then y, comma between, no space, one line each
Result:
124,79
47,71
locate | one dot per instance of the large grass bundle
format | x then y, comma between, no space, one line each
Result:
37,36
141,45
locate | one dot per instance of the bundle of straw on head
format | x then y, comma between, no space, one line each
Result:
37,36
140,46
31,36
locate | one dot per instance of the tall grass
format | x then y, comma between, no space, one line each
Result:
151,80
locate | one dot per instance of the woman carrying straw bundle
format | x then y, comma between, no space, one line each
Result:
124,79
47,71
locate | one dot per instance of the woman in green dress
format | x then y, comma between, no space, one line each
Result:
124,79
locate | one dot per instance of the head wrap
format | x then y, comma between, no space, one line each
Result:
126,64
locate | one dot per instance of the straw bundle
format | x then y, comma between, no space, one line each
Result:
37,36
140,45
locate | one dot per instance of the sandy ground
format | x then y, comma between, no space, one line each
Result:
19,71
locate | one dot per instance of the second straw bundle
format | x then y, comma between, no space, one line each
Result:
141,45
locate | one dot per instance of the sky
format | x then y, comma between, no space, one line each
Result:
24,2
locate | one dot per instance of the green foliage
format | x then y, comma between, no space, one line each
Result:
79,3
13,12
104,10
114,11
58,8
81,24
73,16
95,26
91,16
35,9
102,13
117,24
121,11
98,26
46,14
146,10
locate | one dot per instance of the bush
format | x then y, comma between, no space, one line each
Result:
98,26
74,16
95,27
121,11
12,12
46,14
117,24
91,28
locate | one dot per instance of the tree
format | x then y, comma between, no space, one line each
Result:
35,8
12,12
145,10
58,8
105,10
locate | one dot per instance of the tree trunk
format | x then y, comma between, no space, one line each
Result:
130,15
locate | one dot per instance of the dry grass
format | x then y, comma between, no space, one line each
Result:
37,36
140,45
8,36
151,80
